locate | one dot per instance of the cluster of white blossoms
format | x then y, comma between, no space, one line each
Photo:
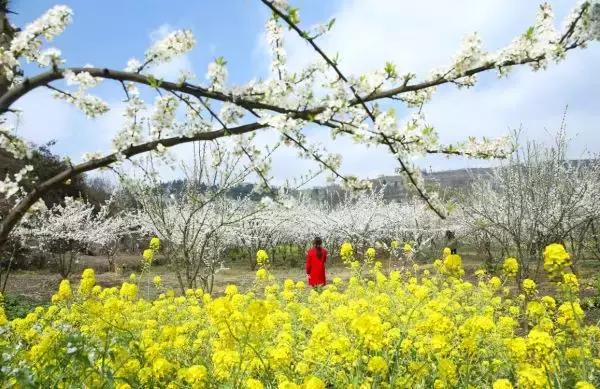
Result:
77,223
27,42
231,113
83,79
162,119
134,121
217,73
174,44
91,105
275,40
487,147
14,145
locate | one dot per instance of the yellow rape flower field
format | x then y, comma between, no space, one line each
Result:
408,328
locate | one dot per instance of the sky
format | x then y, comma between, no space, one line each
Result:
417,36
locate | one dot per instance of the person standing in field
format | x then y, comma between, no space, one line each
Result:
451,242
315,263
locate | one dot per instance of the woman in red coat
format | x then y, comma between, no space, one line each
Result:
315,263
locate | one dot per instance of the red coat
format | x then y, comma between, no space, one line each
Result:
315,266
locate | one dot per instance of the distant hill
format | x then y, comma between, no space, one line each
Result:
442,181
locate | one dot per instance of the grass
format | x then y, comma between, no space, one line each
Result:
16,306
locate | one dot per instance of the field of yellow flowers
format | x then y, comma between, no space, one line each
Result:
404,329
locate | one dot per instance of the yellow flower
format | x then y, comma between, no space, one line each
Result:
510,267
452,266
556,258
570,282
64,292
448,372
313,382
549,302
261,274
148,256
156,281
584,385
347,252
88,280
161,368
407,248
446,252
252,383
128,291
495,282
394,244
370,254
530,377
194,375
377,365
540,345
502,383
231,290
529,286
262,257
154,244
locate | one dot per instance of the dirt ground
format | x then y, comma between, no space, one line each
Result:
40,285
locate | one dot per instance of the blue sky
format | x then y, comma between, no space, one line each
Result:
418,36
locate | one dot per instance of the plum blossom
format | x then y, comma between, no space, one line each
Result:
175,44
217,73
28,41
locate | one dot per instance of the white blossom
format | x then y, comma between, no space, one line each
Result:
51,56
27,42
82,79
231,113
133,65
217,73
175,44
162,120
91,106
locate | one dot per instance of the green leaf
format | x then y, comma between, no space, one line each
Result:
390,70
294,15
220,61
153,82
330,24
529,33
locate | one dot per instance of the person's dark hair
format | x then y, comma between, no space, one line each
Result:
318,242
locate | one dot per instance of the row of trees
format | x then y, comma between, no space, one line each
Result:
537,197
203,222
65,231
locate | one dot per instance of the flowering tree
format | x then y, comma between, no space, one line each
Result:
266,229
196,225
67,229
537,198
287,102
109,230
361,218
